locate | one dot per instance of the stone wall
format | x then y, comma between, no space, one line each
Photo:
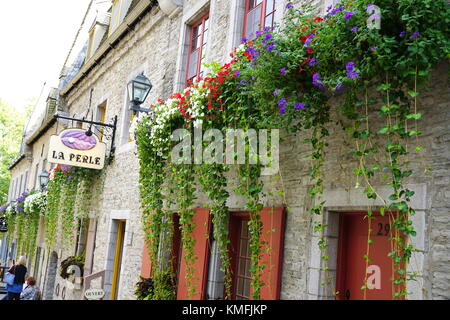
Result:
156,46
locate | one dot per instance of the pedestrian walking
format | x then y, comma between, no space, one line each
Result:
19,271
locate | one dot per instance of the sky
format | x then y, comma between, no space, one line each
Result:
35,39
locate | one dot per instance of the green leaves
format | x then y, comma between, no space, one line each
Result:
415,116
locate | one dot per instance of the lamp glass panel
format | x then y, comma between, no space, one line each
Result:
140,91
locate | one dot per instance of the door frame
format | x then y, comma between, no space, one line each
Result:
118,254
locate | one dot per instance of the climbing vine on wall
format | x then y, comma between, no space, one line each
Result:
70,194
285,78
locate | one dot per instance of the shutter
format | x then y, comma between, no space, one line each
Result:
146,266
201,232
273,219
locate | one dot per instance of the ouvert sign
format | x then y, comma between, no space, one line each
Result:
76,148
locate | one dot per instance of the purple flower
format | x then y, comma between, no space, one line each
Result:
282,103
329,8
313,62
374,48
336,10
282,110
350,65
339,86
276,92
267,29
317,81
283,71
350,73
270,48
415,34
237,73
355,28
258,33
349,14
268,36
289,6
244,40
300,106
402,34
371,7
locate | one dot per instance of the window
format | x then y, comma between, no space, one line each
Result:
118,12
25,184
82,236
176,247
101,115
258,14
197,45
90,50
273,227
11,190
36,173
21,185
241,259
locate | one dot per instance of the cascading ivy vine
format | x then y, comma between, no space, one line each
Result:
70,194
300,77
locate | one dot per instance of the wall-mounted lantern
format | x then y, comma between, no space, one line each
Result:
43,179
138,90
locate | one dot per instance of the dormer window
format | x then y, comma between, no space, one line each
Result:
118,12
90,47
96,33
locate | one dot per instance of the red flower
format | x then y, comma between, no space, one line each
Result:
318,19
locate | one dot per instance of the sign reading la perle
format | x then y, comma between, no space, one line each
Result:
73,147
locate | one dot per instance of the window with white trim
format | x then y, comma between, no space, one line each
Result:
118,12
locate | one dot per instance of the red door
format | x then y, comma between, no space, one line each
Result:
352,267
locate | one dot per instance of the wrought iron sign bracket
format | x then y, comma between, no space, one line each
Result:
109,136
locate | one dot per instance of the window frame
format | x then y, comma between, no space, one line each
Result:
113,26
200,21
262,17
91,41
235,232
101,117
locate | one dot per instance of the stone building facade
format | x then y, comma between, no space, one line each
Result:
152,37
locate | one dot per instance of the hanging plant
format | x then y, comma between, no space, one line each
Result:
286,78
71,261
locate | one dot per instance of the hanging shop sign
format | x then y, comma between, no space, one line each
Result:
3,226
76,148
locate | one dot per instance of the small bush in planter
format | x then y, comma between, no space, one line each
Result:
144,288
73,260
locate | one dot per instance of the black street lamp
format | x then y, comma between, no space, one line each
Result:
43,179
138,90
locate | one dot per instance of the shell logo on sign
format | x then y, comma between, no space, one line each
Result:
75,148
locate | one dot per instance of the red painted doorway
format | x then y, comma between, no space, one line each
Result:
353,270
